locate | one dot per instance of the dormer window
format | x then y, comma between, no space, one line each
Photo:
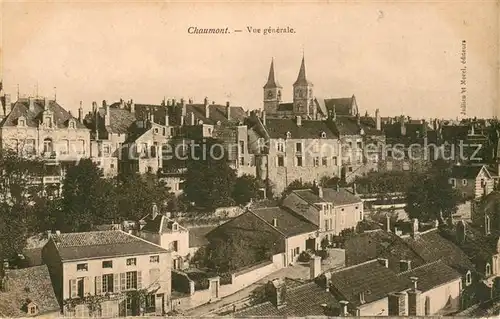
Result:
323,135
468,278
218,123
71,123
288,135
200,122
21,121
175,226
32,309
488,270
361,132
155,130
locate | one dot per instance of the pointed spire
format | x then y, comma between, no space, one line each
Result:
301,78
271,79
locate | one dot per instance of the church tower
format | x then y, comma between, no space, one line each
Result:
272,92
303,93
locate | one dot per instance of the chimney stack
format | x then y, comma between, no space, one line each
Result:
358,119
320,191
403,126
337,187
132,106
315,266
334,113
191,115
275,222
122,104
8,103
460,231
263,120
354,190
207,108
387,223
46,103
277,292
384,262
414,228
31,101
80,112
404,265
343,307
328,280
228,111
169,103
167,120
299,120
154,211
487,224
414,308
378,123
107,116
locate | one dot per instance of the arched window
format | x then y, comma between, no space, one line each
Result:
488,270
71,123
468,278
288,135
323,135
47,146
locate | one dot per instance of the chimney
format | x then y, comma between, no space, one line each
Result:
263,119
132,106
337,187
358,119
122,104
315,266
328,280
49,234
8,104
152,117
191,118
174,103
277,292
320,191
169,103
387,223
487,225
403,126
378,124
31,101
404,265
384,262
80,113
343,307
362,297
190,101
436,223
275,222
228,111
207,108
58,232
460,231
107,116
167,120
397,304
154,211
334,113
46,103
414,295
299,120
414,228
354,190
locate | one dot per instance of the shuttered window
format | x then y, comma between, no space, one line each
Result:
98,285
73,291
116,278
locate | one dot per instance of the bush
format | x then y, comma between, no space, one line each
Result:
322,253
304,256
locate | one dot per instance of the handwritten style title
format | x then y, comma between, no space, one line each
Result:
249,30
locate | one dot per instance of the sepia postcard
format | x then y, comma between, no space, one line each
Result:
249,159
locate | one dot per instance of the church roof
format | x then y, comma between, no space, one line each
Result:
301,78
271,80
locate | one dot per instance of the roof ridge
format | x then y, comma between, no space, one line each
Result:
265,221
141,239
354,266
420,267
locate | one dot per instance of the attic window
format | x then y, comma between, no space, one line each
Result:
218,122
175,226
200,122
288,135
488,270
32,309
468,278
323,135
71,124
21,122
155,130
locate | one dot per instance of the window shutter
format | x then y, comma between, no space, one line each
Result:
123,281
86,285
72,288
139,280
116,282
98,285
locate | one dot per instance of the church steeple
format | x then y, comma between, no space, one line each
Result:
271,79
301,78
303,97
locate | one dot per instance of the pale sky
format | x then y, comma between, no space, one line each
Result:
398,57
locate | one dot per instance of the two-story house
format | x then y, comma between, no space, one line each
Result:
472,181
167,233
112,265
331,210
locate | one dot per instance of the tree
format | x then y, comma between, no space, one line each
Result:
88,198
209,178
246,188
297,184
430,195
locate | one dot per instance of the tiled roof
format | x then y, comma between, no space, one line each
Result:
304,300
454,132
288,223
431,246
370,278
430,275
342,106
197,235
367,246
284,107
100,244
160,223
278,128
28,283
338,198
33,117
33,256
466,171
217,113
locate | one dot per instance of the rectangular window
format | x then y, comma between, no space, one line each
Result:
324,161
359,145
174,245
316,161
334,161
154,259
82,267
80,282
406,166
242,161
281,161
150,303
389,153
464,182
251,160
131,277
297,250
242,147
30,147
107,264
298,147
107,283
280,146
453,182
106,150
298,160
389,166
326,225
131,261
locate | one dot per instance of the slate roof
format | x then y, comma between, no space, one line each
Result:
466,171
33,117
32,283
197,235
367,246
342,105
288,223
101,244
370,278
217,113
338,198
284,107
454,132
161,224
304,300
431,246
278,128
430,275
